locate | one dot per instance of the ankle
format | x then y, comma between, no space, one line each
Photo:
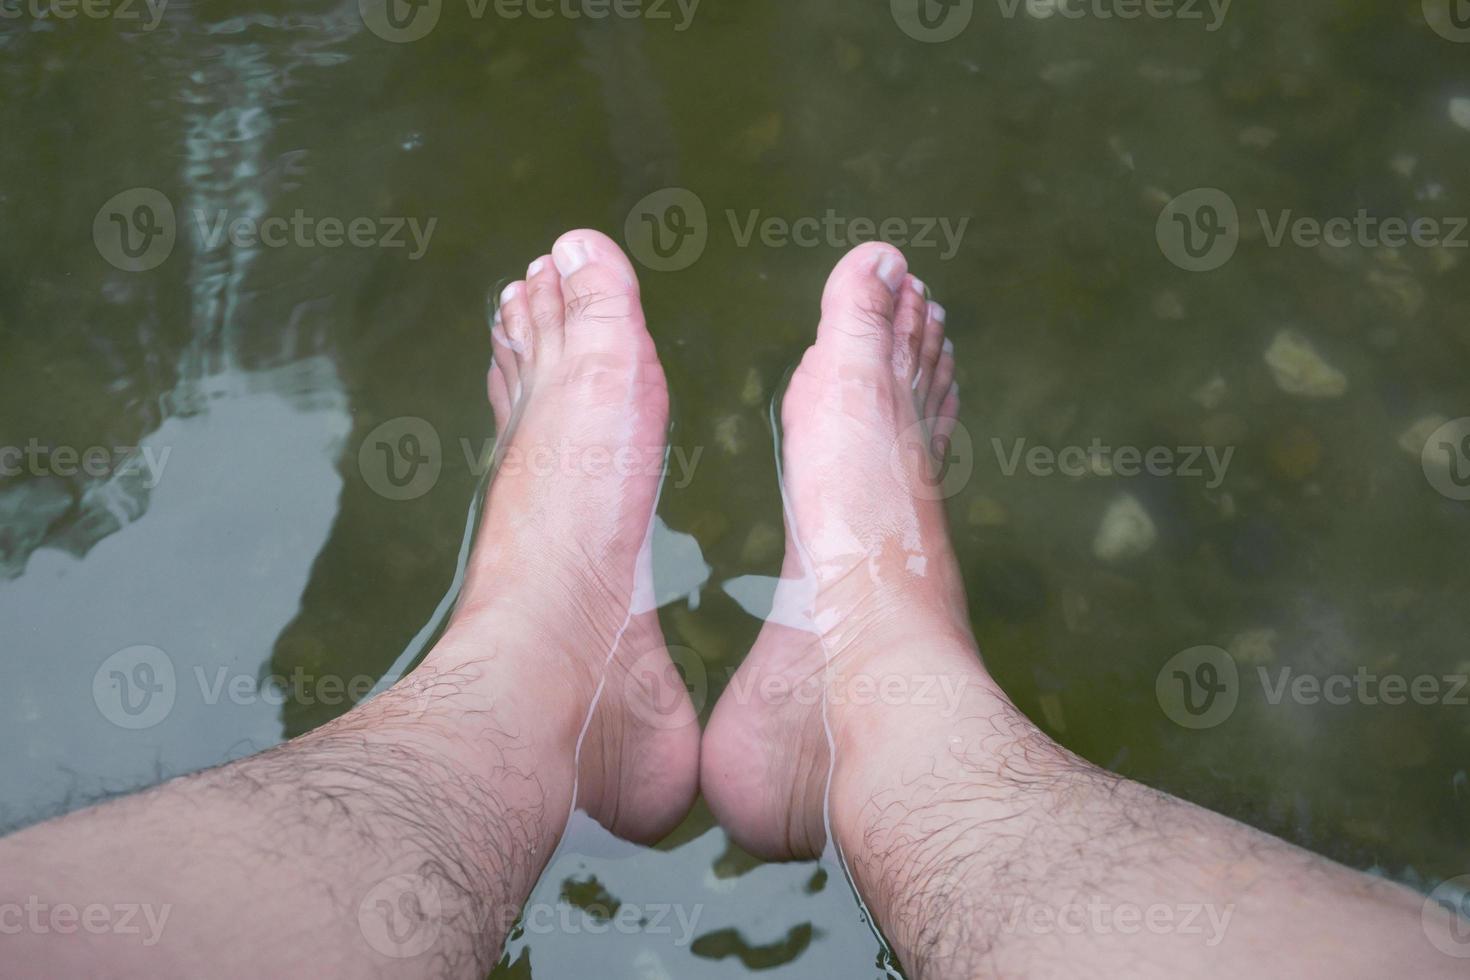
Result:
919,678
478,674
930,814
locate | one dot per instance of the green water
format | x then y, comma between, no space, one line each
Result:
268,544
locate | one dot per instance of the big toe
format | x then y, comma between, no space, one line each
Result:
859,304
604,312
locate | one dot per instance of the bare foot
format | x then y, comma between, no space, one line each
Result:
871,608
559,581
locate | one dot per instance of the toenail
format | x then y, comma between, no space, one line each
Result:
890,272
510,293
569,256
919,286
937,312
948,346
535,269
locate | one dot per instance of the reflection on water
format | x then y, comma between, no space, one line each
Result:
258,547
204,575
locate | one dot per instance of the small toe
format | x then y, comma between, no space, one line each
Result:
908,330
929,351
515,322
949,417
547,306
499,398
943,380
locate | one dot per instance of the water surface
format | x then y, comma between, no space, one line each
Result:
266,542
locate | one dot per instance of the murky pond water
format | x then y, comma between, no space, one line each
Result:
1199,412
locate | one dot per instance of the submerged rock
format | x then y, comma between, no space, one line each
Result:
730,434
1126,531
1254,647
988,512
1460,112
1168,306
1416,436
753,392
1295,453
1299,370
763,543
1211,395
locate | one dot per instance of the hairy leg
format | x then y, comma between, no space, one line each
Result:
987,850
403,838
400,840
982,847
